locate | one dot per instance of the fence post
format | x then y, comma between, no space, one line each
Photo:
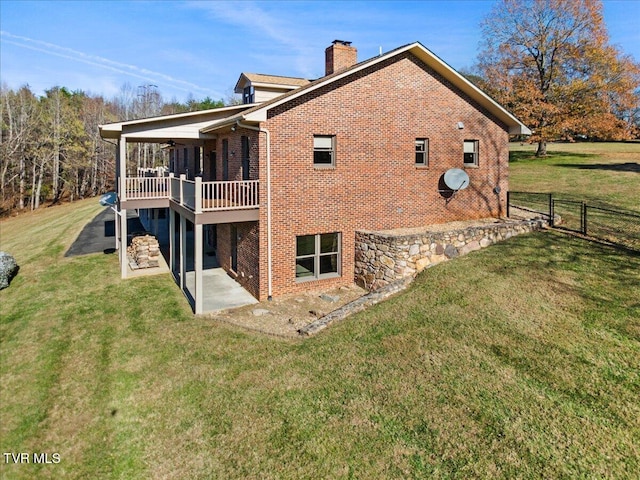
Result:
584,218
508,202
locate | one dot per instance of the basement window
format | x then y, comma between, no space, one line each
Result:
324,149
471,148
317,256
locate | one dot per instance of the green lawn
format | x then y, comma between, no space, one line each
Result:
602,174
518,361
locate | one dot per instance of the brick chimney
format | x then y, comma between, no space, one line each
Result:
338,56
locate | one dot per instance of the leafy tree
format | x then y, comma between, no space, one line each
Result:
550,63
208,103
50,146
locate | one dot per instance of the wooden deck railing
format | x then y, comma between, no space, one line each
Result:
146,187
195,195
234,195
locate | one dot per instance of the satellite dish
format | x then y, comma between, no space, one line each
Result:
456,179
109,199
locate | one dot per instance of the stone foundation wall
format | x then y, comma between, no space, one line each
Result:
385,257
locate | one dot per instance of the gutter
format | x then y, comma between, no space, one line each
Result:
269,256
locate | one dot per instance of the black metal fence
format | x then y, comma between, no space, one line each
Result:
612,225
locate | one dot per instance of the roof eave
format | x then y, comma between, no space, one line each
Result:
110,130
519,129
516,127
433,61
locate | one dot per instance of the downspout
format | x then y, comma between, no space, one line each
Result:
269,259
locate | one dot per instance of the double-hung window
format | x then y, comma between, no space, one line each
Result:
317,256
248,95
324,150
471,152
422,152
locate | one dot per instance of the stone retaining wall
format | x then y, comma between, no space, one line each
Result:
385,257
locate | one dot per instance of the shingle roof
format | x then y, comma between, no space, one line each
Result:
277,79
417,49
262,79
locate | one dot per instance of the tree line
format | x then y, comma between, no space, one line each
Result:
51,148
549,62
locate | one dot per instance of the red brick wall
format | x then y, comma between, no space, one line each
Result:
247,274
376,115
338,57
235,155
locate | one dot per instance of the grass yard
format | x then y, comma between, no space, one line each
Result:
518,361
602,174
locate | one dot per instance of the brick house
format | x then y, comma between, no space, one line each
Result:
280,184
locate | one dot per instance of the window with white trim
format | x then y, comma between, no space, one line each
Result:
471,152
317,256
422,152
324,150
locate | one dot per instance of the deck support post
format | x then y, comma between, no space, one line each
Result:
183,250
198,195
197,251
172,240
123,243
122,168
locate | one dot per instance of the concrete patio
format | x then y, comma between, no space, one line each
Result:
221,292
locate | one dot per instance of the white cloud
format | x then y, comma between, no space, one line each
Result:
104,63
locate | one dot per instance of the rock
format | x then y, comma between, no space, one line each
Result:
450,251
437,259
470,247
422,264
259,312
329,298
369,278
387,261
8,269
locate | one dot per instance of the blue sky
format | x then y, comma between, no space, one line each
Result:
200,47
